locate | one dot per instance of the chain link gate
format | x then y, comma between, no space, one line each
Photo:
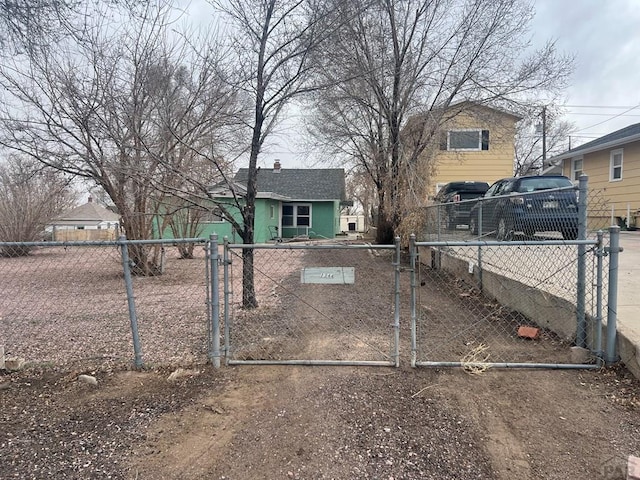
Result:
482,304
311,304
525,300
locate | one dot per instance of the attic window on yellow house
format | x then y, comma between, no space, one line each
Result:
466,140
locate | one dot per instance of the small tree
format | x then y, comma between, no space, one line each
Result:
273,41
185,222
30,197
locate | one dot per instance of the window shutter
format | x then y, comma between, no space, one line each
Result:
485,139
443,140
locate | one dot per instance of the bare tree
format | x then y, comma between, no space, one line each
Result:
30,197
273,41
361,189
27,26
187,203
122,102
394,60
27,23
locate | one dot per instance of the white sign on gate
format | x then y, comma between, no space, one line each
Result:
328,275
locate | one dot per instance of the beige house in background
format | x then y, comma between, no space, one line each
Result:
476,142
612,163
86,222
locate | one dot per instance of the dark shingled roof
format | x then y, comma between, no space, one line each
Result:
300,184
612,137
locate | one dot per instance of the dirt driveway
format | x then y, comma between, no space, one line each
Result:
320,422
270,422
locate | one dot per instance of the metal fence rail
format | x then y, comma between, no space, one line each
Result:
310,305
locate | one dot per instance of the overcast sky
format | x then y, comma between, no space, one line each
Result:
605,37
604,95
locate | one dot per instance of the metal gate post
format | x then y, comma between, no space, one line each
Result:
413,256
600,253
479,247
133,318
396,316
214,354
581,287
226,263
612,296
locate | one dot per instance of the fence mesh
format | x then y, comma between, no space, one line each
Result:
502,303
302,315
511,286
63,305
67,304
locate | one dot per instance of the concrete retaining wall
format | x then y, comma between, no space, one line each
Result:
546,310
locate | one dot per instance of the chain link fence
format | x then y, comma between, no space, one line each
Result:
69,304
513,304
316,304
521,288
471,300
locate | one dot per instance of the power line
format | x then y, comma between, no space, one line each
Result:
602,106
604,114
609,119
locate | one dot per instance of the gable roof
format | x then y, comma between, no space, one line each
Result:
88,214
298,183
464,105
444,116
614,139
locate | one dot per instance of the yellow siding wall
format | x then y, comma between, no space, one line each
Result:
68,235
486,165
615,196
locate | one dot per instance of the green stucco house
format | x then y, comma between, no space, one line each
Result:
291,203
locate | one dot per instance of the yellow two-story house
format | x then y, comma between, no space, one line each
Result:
476,142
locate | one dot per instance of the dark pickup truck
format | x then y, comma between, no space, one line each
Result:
457,198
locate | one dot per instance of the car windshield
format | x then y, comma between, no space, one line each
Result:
479,187
542,183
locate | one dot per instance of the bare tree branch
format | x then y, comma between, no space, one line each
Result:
128,105
393,71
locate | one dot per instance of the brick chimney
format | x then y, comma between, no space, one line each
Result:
276,166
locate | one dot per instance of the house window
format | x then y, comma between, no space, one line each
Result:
576,168
615,166
466,140
272,211
296,215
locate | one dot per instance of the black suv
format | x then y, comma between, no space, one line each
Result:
457,198
528,205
